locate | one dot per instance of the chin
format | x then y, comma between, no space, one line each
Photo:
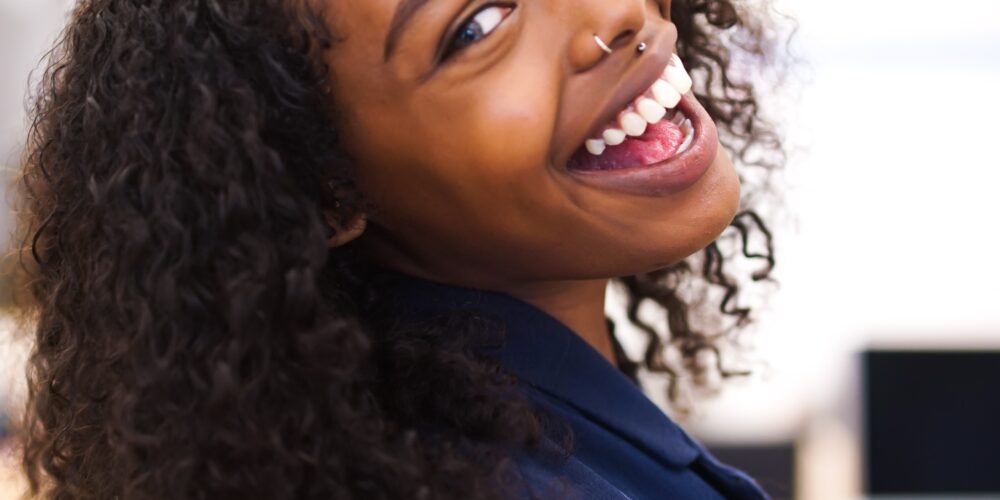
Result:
721,185
726,185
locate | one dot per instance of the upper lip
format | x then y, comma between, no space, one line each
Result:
654,62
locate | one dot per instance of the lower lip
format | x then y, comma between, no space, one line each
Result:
672,175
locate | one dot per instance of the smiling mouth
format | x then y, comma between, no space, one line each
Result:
650,129
668,153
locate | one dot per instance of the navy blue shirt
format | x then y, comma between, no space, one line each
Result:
625,446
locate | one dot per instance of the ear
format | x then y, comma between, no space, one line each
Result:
346,232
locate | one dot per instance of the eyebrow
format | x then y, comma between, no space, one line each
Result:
405,11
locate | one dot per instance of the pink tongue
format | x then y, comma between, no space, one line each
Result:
660,141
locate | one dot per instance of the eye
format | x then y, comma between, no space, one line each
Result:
478,26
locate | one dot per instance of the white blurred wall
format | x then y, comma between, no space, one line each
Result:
27,30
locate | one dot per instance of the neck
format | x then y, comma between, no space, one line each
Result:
577,304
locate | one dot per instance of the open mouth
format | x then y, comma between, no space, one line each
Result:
651,129
663,141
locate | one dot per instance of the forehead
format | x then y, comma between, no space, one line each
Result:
361,26
366,21
358,28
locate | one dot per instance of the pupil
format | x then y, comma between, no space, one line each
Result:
470,34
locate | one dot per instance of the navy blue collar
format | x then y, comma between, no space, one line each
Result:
547,355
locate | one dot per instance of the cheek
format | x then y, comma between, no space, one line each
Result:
490,164
478,154
505,127
464,173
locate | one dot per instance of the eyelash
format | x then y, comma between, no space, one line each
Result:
453,45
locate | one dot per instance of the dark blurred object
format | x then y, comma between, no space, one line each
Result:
932,422
771,465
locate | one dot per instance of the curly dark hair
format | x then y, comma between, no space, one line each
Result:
193,334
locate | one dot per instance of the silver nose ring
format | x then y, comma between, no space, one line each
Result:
601,44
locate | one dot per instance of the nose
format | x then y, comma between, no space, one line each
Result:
616,22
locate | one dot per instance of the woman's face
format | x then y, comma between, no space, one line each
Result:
463,114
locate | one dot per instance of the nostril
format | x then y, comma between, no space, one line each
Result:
623,38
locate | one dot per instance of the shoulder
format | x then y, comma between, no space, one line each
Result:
546,473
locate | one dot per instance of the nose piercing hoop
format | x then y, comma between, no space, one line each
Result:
601,44
641,47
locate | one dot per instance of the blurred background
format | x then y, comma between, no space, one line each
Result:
877,358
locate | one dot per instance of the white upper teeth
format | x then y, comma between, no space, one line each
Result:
665,94
678,79
614,136
650,107
595,146
676,76
651,110
632,123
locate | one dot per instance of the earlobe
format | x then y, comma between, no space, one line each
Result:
345,233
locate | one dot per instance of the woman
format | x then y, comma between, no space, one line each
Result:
357,249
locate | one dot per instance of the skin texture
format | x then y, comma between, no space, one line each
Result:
486,137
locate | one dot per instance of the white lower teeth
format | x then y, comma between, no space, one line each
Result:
688,130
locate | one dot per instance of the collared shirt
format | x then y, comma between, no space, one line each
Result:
626,447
